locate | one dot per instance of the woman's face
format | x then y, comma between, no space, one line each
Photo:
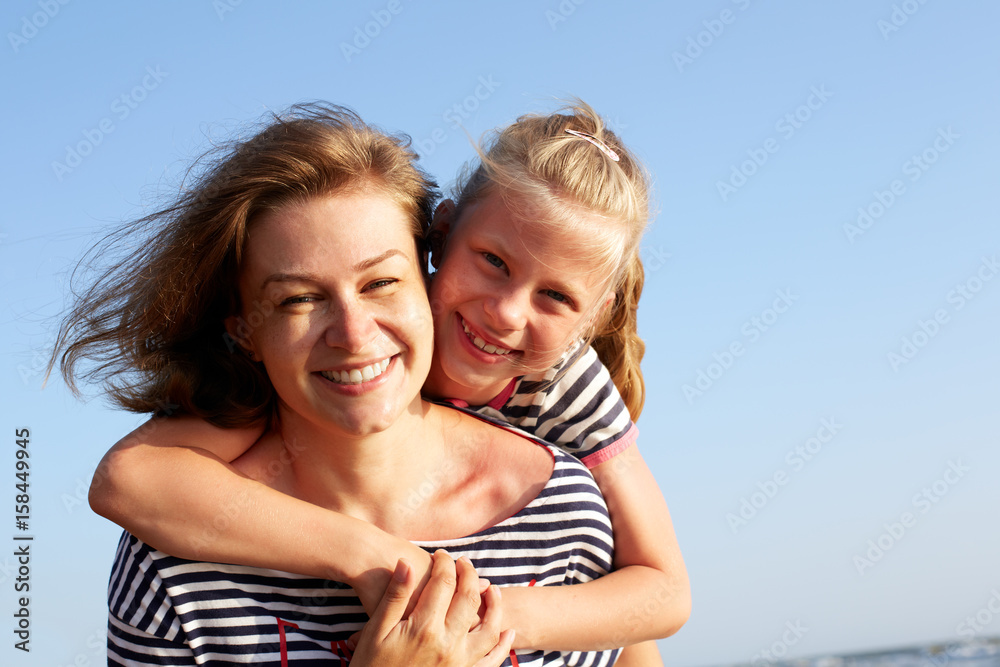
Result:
335,307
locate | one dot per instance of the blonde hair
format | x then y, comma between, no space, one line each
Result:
153,323
550,175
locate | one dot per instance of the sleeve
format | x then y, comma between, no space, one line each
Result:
575,406
143,628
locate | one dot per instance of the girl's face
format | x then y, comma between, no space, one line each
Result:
335,306
508,299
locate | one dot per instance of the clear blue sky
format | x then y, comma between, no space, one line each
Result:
767,125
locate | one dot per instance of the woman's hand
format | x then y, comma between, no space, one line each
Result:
445,626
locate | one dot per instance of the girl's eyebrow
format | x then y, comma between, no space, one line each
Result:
309,277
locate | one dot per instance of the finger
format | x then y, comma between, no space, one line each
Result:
498,654
463,613
432,607
492,618
397,594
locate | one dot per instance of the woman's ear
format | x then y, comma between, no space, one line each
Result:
238,335
437,235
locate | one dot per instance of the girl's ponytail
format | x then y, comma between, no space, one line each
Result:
617,342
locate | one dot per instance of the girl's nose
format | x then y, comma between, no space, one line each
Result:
508,309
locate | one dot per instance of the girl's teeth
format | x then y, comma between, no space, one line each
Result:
482,344
357,375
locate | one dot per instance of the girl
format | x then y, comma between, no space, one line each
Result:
538,255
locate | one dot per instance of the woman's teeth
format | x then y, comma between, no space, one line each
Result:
357,375
482,344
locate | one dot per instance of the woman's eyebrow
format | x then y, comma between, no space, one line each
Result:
369,263
309,277
288,278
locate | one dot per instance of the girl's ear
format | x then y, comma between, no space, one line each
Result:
602,313
437,235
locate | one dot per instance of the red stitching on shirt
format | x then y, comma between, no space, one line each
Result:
342,650
281,634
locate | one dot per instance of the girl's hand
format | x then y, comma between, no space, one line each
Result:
444,628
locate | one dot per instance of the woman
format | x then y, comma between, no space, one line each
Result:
319,215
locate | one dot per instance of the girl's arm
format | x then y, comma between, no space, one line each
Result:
190,502
647,596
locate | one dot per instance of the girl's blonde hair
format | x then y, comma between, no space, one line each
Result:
551,168
152,325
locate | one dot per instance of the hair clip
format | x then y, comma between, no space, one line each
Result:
597,142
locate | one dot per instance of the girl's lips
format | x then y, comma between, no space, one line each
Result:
467,341
484,345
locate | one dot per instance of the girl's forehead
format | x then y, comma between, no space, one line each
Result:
563,230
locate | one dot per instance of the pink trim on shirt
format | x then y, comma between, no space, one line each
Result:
500,399
612,450
496,402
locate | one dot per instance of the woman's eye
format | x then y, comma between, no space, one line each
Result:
378,284
292,300
493,259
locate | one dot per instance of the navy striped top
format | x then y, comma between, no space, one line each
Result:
170,611
573,405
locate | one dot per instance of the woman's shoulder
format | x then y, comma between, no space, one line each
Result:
487,443
492,474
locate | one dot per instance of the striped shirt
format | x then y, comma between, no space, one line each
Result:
573,405
170,611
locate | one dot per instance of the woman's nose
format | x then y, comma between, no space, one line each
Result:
353,327
508,309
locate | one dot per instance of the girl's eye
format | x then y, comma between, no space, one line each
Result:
493,259
557,296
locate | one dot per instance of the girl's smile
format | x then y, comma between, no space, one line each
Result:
509,297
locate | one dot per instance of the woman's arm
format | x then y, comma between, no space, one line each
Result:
648,595
190,502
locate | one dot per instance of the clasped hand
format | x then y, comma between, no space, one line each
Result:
456,620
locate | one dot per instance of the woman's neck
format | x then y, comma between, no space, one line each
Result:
370,477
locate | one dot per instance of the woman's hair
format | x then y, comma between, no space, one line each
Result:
153,323
551,168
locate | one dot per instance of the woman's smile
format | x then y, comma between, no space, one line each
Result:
350,341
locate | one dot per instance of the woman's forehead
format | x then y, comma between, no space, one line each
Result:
343,230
